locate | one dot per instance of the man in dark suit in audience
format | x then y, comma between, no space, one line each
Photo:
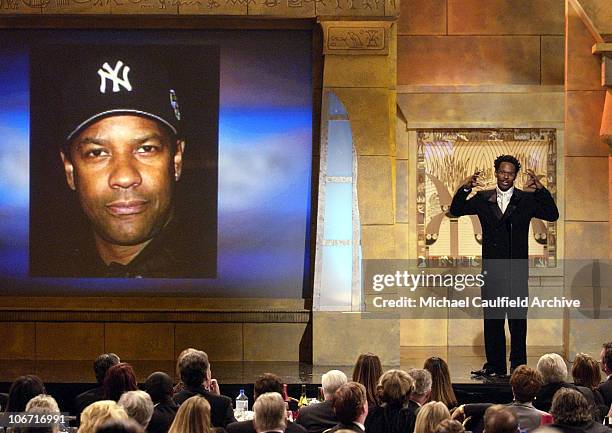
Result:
100,366
196,375
526,382
318,417
267,382
500,419
159,386
270,413
351,407
606,365
422,388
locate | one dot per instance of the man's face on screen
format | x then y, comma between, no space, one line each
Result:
123,169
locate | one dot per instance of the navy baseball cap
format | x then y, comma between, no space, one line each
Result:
100,81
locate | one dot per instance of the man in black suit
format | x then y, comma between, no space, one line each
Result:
265,383
318,417
196,375
159,386
351,407
270,413
500,419
505,213
605,388
100,366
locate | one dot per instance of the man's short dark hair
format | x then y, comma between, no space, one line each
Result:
526,383
507,158
159,386
193,368
103,363
607,355
268,382
348,401
500,419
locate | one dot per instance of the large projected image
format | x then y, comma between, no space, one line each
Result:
128,118
181,165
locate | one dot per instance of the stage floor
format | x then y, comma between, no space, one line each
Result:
460,361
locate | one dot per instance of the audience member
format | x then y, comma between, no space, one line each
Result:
42,404
429,416
22,390
571,413
118,379
159,386
193,416
98,413
606,366
180,386
441,385
319,417
500,419
100,366
449,426
120,426
395,414
367,371
351,407
526,383
554,373
422,386
138,405
270,413
196,376
265,383
586,375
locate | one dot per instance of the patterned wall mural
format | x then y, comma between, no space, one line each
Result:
445,159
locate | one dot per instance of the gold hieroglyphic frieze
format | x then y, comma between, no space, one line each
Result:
356,37
261,8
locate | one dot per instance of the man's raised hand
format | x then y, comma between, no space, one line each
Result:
473,181
534,182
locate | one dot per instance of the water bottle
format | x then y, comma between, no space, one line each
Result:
242,402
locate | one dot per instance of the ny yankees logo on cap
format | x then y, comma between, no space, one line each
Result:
107,73
119,80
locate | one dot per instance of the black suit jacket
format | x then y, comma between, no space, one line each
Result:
543,399
317,417
88,397
163,416
505,236
352,427
248,427
389,418
221,410
606,391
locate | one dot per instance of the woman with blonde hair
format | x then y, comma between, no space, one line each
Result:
430,415
193,416
98,413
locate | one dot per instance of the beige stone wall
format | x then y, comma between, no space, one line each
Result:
587,174
474,64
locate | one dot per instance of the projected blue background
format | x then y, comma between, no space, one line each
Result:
265,158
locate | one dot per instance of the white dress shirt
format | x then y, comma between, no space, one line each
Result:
503,198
